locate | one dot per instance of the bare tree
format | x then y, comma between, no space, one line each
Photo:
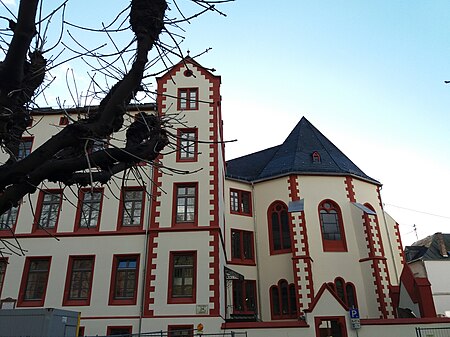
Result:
64,157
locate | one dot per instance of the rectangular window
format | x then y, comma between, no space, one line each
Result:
124,280
8,219
244,296
34,282
132,207
79,280
182,277
47,210
123,331
3,264
25,145
240,202
89,208
185,203
187,145
188,99
180,330
242,246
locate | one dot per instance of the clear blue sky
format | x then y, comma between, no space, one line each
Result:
368,74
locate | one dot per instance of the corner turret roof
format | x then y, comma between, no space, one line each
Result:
295,156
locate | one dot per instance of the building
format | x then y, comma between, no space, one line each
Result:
428,260
283,241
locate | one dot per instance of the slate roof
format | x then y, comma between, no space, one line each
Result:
433,247
294,156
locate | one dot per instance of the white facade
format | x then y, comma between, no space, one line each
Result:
197,232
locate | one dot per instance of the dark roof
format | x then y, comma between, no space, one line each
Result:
295,155
433,247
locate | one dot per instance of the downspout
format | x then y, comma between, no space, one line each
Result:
389,239
144,271
258,274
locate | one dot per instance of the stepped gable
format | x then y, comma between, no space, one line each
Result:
295,156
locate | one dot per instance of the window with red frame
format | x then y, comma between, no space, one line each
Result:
188,99
345,291
124,280
25,145
180,330
8,219
283,300
64,120
330,326
316,157
47,213
187,145
240,202
279,228
89,208
182,277
132,207
242,247
333,236
3,264
244,296
79,280
34,282
123,331
185,203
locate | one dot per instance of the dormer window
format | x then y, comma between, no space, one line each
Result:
316,157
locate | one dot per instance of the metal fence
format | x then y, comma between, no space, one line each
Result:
168,334
433,332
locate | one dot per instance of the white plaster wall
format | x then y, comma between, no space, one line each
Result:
439,275
103,247
405,301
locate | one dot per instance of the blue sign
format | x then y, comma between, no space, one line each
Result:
354,313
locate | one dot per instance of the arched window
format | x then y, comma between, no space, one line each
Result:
283,300
333,235
279,228
345,291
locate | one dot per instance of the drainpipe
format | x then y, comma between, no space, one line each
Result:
144,269
258,274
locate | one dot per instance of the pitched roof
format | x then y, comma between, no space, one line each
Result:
295,155
433,247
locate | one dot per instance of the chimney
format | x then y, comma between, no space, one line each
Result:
441,243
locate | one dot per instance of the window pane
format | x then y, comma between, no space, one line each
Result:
238,302
245,202
125,283
90,209
8,219
236,244
275,301
248,245
81,277
132,207
183,276
36,280
250,296
185,204
276,233
286,231
49,209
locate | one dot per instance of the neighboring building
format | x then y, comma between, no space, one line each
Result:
283,241
429,259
